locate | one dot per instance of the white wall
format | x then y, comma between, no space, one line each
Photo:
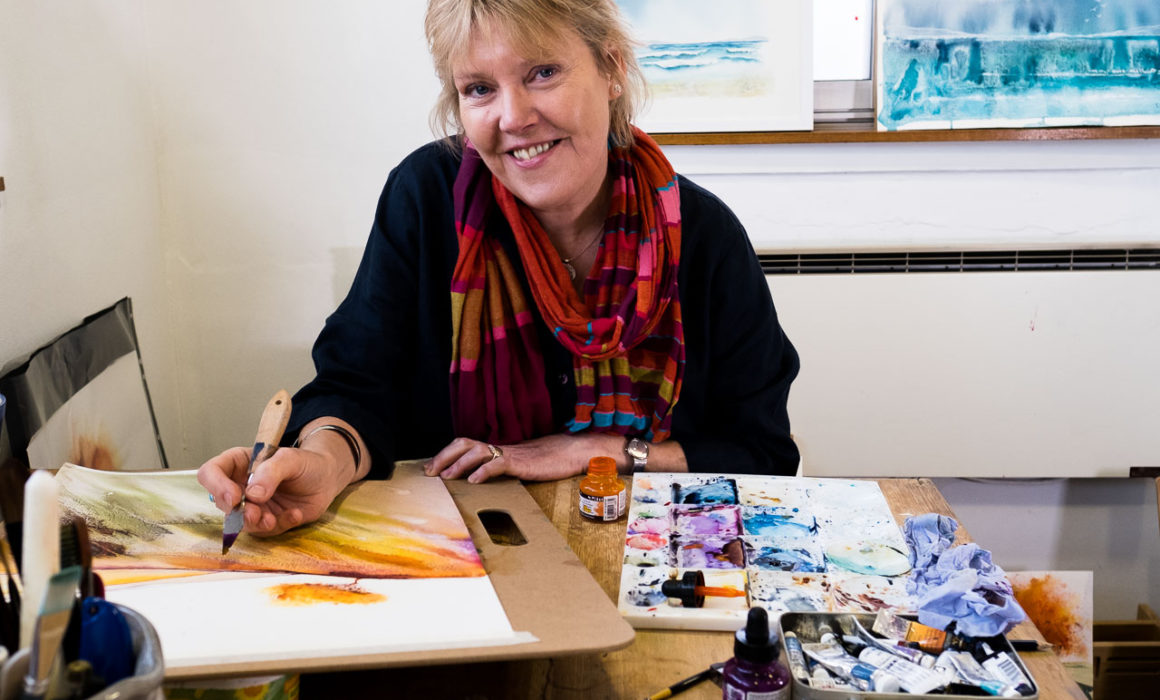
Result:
220,162
79,220
276,125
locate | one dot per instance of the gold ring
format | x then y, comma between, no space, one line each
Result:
496,452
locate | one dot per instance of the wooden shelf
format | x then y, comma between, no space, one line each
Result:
864,132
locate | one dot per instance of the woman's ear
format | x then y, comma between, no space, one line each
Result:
615,65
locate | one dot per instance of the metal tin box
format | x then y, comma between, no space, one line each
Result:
806,625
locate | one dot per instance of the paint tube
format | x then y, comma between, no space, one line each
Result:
862,676
916,635
961,667
1006,668
915,656
880,680
821,679
829,653
912,677
796,657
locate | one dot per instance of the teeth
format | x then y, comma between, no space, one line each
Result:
532,152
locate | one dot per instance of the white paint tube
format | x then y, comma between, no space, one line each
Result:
862,676
961,667
821,679
831,655
915,656
912,677
1003,666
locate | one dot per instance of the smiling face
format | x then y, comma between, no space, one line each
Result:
539,123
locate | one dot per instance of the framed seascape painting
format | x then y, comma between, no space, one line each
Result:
732,65
1012,63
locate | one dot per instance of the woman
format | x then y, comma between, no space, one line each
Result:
587,300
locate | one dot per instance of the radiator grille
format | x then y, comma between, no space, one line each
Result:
961,261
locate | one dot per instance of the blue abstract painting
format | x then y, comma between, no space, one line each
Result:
733,65
1017,63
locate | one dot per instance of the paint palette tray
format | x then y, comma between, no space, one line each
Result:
788,543
806,626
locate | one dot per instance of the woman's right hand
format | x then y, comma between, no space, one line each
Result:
293,487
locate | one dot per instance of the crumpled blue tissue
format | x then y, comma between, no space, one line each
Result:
957,584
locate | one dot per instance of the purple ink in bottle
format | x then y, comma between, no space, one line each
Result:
754,672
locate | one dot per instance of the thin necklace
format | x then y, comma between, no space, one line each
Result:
568,261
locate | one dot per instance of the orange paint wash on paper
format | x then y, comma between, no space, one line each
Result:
313,593
1052,607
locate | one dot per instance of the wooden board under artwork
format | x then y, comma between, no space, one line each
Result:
786,543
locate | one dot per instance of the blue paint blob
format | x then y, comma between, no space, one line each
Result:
718,491
777,521
783,559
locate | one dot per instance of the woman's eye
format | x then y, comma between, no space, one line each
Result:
475,90
545,72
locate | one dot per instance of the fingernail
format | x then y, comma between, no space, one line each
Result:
256,491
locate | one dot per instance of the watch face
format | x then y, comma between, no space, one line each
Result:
637,449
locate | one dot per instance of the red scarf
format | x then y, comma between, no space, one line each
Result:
625,336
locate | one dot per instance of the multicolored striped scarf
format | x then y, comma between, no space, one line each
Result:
625,335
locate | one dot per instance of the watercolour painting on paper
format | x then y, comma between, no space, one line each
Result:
734,65
787,543
1012,63
390,567
1060,605
163,520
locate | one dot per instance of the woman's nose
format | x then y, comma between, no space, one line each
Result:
518,111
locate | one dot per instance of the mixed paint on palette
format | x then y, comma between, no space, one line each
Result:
789,543
1009,63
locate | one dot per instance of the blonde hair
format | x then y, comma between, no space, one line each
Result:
533,26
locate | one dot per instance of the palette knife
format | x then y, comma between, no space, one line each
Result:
270,429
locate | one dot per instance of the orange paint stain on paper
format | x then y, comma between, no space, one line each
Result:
295,594
1054,608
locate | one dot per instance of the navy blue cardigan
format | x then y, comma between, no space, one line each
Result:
382,357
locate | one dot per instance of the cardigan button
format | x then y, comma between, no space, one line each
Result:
565,378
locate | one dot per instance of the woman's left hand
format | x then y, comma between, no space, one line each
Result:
543,459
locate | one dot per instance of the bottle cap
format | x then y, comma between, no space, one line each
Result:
685,589
756,642
602,465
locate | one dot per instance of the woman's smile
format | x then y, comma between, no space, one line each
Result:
527,153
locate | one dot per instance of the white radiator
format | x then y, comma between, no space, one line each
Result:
989,374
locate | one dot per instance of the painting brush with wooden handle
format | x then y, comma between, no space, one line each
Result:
11,591
51,624
40,548
270,429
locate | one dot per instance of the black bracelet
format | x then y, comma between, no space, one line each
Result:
351,442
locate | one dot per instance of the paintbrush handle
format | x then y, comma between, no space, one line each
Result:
40,552
273,424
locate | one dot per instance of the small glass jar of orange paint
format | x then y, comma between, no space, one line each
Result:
602,492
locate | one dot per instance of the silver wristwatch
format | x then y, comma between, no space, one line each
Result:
637,451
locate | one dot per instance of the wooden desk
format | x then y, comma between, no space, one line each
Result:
656,659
